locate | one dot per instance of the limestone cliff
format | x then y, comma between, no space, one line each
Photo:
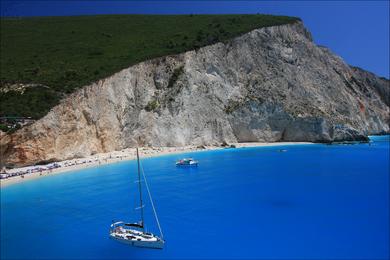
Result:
271,84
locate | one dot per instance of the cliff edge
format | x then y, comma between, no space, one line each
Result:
271,84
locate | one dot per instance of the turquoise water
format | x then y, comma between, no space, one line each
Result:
313,201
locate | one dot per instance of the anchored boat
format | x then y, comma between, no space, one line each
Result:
135,234
187,162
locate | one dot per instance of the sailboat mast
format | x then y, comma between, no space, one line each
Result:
140,190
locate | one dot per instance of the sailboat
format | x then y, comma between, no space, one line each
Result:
135,234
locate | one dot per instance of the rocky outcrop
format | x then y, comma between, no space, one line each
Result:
271,84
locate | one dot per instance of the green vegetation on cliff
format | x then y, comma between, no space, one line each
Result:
65,53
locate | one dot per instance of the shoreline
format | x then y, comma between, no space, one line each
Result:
128,154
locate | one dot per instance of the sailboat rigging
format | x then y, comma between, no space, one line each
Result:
135,234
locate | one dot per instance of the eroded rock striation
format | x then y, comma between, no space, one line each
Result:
271,84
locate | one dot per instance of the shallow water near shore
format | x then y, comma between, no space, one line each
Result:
311,201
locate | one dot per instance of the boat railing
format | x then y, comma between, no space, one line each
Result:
115,225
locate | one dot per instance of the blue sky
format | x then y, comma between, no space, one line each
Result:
358,31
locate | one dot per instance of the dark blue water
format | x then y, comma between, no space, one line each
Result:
313,201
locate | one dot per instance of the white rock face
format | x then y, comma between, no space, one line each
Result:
272,84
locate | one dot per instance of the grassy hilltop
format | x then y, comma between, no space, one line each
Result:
65,53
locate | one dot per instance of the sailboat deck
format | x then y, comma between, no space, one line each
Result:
132,234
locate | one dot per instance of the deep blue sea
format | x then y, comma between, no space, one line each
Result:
312,201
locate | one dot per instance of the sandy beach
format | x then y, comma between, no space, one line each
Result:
118,156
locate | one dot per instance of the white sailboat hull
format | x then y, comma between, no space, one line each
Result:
134,237
159,244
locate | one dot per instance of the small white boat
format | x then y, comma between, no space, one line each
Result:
187,162
135,234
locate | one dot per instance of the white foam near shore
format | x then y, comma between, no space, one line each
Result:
113,157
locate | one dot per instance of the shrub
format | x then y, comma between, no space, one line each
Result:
152,105
175,76
3,128
232,106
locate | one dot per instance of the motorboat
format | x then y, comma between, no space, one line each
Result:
187,162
